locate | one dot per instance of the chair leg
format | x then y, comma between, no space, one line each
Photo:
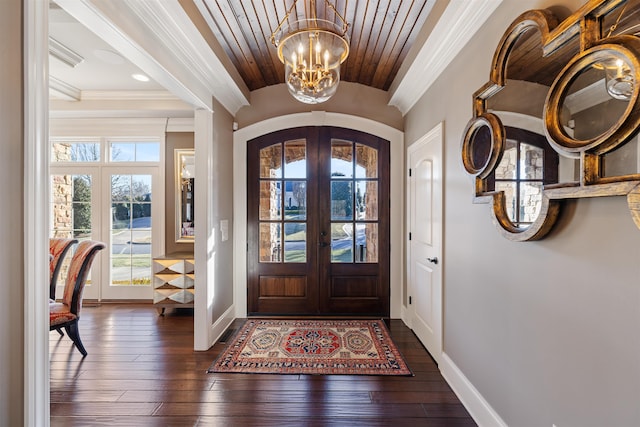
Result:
72,331
60,332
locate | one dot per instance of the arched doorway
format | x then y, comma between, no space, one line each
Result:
318,223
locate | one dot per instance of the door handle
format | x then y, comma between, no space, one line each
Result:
433,260
321,243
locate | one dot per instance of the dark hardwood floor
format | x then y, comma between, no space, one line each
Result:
141,370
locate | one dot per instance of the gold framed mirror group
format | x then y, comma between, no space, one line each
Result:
559,117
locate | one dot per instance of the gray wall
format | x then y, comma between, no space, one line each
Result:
173,141
548,331
12,259
351,98
223,207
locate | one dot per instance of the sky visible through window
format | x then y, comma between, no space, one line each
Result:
135,151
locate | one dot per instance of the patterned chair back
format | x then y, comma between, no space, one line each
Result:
78,272
58,248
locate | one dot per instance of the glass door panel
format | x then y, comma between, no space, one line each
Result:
341,242
366,161
72,213
342,158
366,200
271,161
366,242
295,242
295,207
348,192
293,154
270,200
295,158
270,237
131,233
131,230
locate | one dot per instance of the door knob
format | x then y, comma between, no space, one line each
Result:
433,260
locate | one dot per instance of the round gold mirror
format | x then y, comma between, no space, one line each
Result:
482,145
591,105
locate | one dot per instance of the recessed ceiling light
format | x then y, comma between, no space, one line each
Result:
140,77
108,56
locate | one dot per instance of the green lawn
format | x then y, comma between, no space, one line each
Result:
126,260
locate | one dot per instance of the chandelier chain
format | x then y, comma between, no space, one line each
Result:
345,24
285,19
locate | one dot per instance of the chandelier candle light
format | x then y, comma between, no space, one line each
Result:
619,79
312,50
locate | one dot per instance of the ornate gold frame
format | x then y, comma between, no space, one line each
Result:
586,24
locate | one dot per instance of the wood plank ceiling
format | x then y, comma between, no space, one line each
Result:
381,33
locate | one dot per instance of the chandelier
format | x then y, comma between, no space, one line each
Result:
312,50
619,79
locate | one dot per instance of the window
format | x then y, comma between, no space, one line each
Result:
75,151
528,163
102,189
134,151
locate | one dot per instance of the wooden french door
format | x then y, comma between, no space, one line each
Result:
318,223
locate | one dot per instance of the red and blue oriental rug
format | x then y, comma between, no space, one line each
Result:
328,347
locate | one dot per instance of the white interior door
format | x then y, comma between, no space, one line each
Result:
425,244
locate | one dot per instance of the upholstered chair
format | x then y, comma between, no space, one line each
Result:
58,248
65,314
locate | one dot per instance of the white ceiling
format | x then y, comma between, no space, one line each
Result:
102,69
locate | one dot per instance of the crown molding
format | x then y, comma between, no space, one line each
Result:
124,95
120,107
460,21
162,41
176,124
63,53
62,90
111,126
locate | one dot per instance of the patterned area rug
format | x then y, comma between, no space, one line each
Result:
329,347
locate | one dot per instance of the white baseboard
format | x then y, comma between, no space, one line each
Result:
479,409
221,325
405,316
